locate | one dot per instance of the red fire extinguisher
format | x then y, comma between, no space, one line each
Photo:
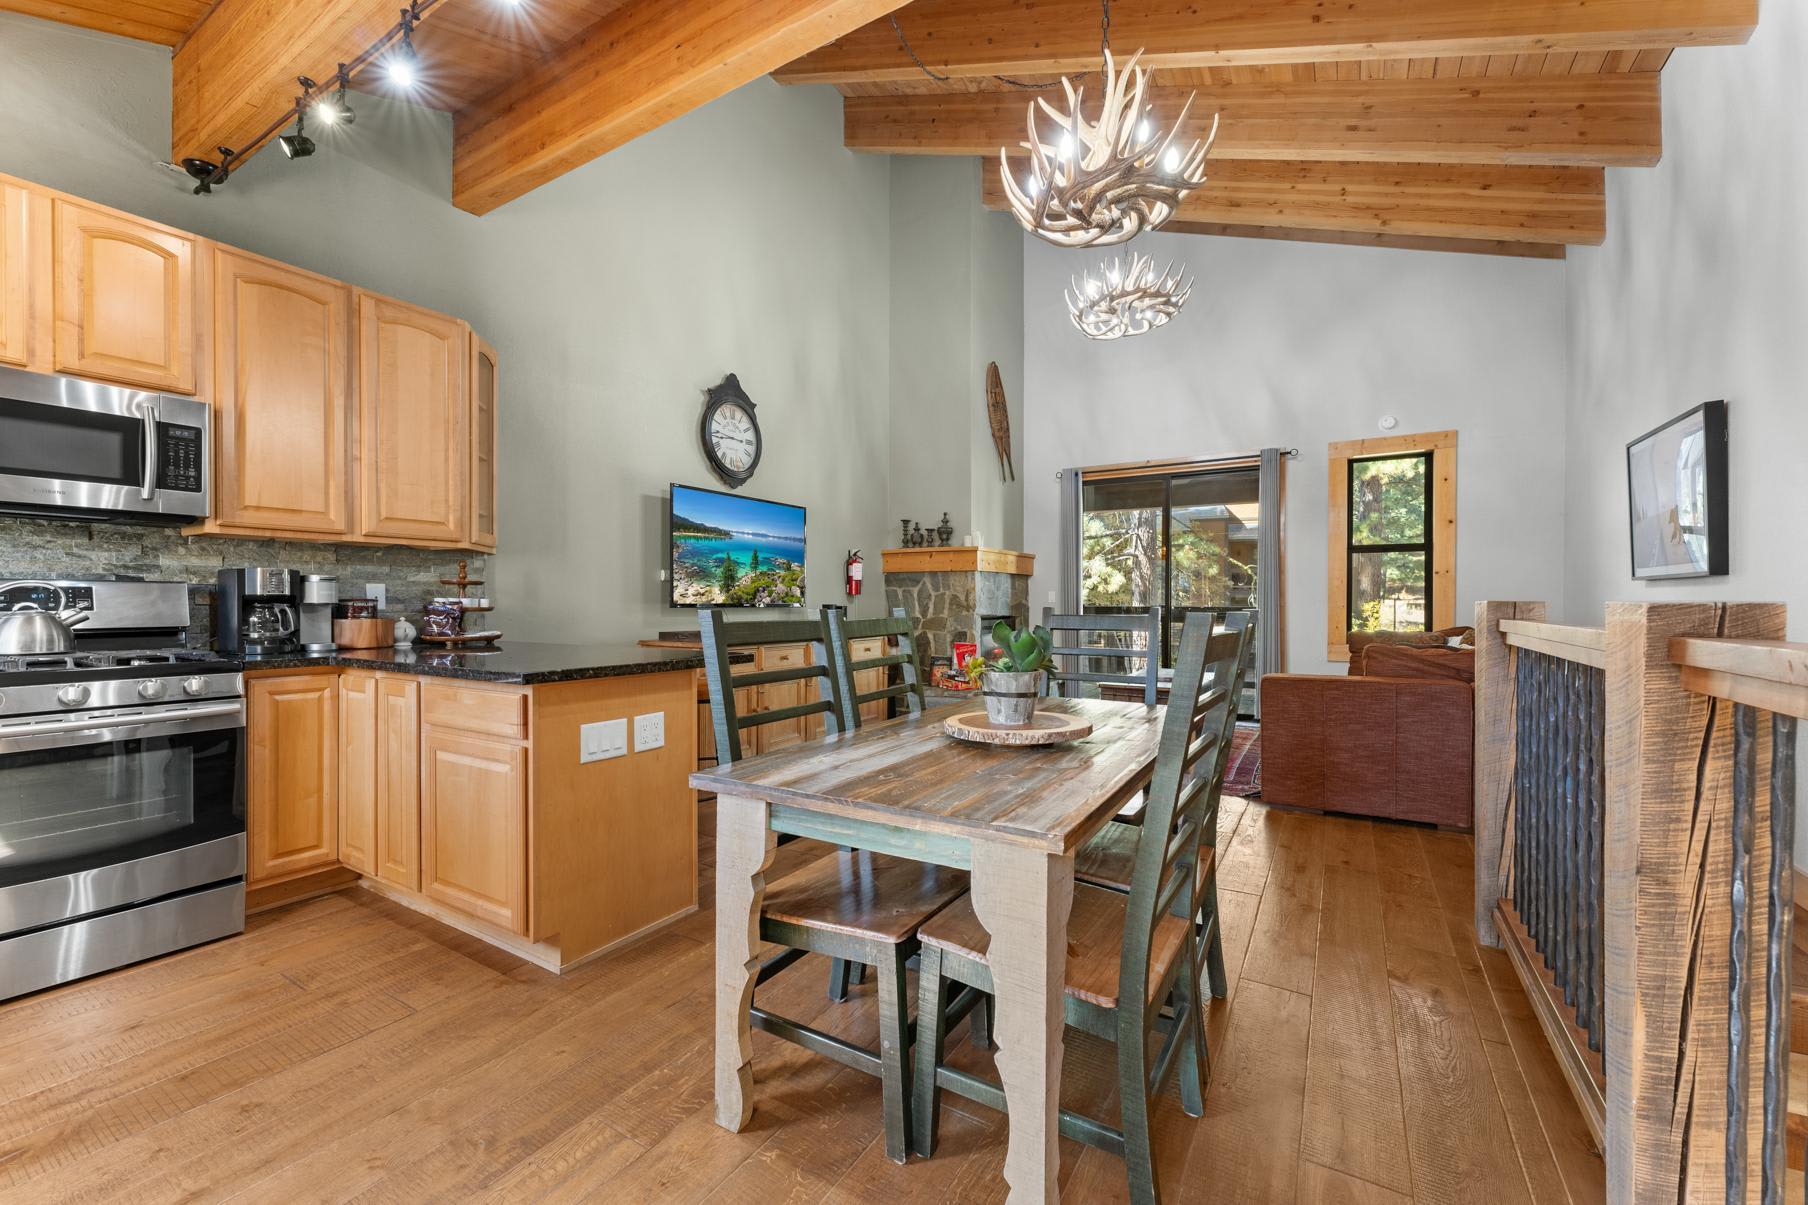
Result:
856,570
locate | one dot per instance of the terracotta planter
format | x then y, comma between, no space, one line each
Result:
1011,698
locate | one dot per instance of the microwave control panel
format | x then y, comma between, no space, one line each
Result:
179,466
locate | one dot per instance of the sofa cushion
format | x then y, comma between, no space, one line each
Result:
1405,661
1434,768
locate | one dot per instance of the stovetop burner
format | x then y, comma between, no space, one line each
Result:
119,659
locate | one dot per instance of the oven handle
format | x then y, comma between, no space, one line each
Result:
76,730
148,488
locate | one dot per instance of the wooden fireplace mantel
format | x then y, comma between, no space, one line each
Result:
958,560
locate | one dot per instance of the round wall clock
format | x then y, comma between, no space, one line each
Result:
731,435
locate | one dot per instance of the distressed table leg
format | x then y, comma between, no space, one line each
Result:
1023,896
744,847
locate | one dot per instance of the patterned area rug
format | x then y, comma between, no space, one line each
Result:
1243,775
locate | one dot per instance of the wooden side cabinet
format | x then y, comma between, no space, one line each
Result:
283,373
483,444
15,275
399,781
413,418
474,826
125,298
292,725
358,771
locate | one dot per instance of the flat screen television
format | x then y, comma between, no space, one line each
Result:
730,551
1676,486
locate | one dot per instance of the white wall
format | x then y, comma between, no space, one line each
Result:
1701,292
1299,345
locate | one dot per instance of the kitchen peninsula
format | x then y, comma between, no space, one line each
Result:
533,795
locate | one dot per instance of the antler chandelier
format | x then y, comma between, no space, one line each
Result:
1120,302
1103,184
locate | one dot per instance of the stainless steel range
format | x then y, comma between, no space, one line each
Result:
122,798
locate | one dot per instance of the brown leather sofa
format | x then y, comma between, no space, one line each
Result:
1395,742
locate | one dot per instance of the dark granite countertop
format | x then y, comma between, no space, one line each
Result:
517,662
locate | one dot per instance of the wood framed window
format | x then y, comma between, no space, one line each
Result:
1392,536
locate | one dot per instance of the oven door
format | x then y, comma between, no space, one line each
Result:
87,450
103,813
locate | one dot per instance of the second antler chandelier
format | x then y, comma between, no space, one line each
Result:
1097,184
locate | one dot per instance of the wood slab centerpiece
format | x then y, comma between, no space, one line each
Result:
1011,678
1043,728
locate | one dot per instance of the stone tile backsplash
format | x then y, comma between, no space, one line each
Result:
47,548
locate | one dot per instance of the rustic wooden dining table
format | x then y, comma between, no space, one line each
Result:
1013,817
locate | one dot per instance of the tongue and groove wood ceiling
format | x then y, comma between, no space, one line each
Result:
1464,125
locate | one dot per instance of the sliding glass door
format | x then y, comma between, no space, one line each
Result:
1183,541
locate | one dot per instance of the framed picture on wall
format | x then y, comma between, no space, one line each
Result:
1676,488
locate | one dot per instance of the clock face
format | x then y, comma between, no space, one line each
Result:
733,438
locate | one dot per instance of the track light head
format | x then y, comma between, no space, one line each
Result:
403,64
297,145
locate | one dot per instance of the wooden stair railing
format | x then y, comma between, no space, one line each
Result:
1622,824
1771,677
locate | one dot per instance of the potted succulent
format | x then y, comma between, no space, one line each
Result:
1011,678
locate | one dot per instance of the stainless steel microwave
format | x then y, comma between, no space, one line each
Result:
82,450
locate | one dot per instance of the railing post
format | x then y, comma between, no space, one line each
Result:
1494,736
1667,904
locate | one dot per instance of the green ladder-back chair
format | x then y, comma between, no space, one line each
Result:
853,906
1109,859
843,632
1129,628
1132,961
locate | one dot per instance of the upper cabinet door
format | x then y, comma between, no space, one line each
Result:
284,397
413,415
483,444
15,276
125,299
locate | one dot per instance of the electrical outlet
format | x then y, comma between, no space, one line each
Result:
649,731
602,740
378,593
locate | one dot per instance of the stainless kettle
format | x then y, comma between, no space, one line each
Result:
23,633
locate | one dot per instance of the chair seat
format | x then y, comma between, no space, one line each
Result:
1109,859
863,894
1095,940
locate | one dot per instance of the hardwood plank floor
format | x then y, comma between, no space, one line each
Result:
347,1049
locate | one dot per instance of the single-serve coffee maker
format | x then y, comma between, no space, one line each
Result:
254,611
319,594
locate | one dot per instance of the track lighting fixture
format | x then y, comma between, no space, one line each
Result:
403,64
297,145
335,110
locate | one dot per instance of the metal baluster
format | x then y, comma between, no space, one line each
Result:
1572,878
1527,692
1535,804
1600,863
1591,856
1547,811
1559,955
1521,673
1738,1036
1781,950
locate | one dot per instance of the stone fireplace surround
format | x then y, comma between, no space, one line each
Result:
955,594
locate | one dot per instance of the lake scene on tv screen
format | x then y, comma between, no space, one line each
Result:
729,551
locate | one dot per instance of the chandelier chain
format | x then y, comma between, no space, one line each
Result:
1104,49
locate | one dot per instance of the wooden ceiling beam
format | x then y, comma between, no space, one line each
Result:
1402,242
1593,121
1016,37
165,22
1558,205
236,72
641,66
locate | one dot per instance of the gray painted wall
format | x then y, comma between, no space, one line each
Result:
1298,345
1701,292
957,305
740,238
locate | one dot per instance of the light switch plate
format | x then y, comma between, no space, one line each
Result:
602,740
649,731
378,593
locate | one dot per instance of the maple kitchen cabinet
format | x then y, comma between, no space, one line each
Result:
484,432
292,782
16,277
414,422
283,399
126,305
461,793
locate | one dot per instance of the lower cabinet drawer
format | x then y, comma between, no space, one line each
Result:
501,713
474,826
